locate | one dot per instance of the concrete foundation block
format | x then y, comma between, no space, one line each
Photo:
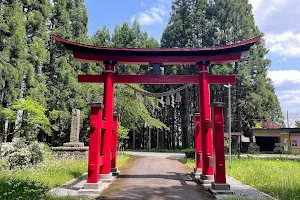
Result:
92,186
220,186
115,171
217,189
106,178
206,179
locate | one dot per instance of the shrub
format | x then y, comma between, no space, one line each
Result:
235,151
2,164
279,148
15,145
37,153
19,158
190,153
253,148
17,153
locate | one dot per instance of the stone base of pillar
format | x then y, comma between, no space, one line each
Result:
74,144
93,188
220,186
206,179
217,188
197,172
106,178
115,171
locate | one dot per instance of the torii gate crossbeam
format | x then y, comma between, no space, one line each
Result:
158,79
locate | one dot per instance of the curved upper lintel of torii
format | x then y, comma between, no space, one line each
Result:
215,55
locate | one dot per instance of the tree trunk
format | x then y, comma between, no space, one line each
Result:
173,129
184,112
144,138
149,138
163,139
157,138
237,92
1,140
133,139
140,140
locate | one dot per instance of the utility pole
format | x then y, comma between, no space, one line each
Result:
287,119
229,122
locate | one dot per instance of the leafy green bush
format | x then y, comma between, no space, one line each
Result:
253,148
21,189
279,148
37,153
190,153
15,145
18,158
2,164
17,153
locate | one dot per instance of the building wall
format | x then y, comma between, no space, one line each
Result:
266,133
295,142
293,139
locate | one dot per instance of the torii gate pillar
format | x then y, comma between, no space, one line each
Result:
207,175
108,101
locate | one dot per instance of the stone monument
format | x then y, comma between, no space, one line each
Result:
75,130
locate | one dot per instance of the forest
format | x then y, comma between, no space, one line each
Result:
38,81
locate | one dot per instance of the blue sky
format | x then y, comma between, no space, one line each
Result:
278,19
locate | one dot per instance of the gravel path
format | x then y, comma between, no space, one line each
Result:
172,156
152,178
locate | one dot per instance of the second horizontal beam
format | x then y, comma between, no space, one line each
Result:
158,79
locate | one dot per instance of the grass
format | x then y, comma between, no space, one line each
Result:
279,178
189,162
35,182
121,159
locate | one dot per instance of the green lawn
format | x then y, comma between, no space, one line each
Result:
279,178
34,182
189,162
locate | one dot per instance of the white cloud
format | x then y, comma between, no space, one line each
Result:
286,44
279,20
255,3
290,96
287,88
285,77
153,15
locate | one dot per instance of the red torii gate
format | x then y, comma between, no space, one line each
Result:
102,149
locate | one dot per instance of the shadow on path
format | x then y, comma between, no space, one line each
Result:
155,178
164,193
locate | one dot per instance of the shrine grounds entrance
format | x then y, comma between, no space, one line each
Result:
209,122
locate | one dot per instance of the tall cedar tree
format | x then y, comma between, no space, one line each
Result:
13,52
201,23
